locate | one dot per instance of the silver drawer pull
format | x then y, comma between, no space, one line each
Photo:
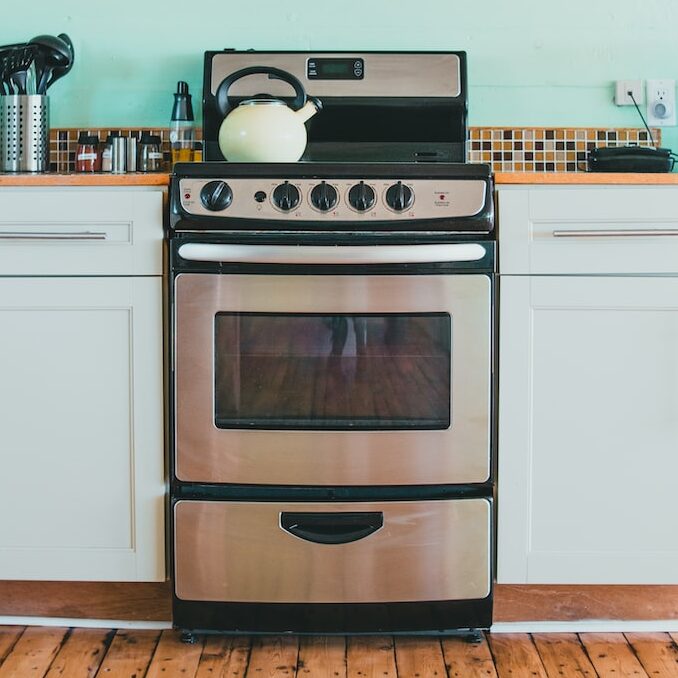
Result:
27,235
331,254
616,233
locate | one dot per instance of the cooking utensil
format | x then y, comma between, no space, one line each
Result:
21,60
53,52
60,71
263,128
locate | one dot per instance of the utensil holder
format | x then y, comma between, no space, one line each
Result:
24,133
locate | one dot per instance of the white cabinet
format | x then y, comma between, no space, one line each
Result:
81,417
588,406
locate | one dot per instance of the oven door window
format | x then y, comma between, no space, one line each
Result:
332,372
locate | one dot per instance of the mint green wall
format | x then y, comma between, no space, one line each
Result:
531,62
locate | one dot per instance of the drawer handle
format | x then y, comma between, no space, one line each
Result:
615,233
331,528
28,235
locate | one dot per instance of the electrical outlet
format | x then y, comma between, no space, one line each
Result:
622,89
661,103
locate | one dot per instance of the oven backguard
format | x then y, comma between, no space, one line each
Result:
353,380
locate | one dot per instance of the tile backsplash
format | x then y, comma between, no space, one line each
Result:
507,149
547,149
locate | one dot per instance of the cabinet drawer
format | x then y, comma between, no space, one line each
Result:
241,551
588,229
81,231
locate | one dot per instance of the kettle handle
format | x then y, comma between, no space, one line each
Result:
221,96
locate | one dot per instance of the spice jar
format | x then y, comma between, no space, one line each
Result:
87,157
107,152
150,153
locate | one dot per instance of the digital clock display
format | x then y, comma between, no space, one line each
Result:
344,68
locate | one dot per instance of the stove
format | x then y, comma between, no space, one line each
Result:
332,377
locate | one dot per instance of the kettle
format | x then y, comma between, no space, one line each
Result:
263,128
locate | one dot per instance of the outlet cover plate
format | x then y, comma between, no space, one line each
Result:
661,103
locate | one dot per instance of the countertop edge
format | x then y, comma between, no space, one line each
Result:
140,179
586,178
500,178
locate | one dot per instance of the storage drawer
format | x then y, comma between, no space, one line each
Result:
81,231
588,229
272,552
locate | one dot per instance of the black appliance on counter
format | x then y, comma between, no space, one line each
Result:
332,381
377,106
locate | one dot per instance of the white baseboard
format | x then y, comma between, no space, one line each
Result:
84,623
586,626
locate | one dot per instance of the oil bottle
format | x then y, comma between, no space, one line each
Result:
182,127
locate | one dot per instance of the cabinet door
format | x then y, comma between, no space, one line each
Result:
588,430
81,436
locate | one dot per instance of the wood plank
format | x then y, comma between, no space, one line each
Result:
419,657
133,601
563,655
273,656
174,658
576,602
129,654
516,656
8,637
82,653
466,659
322,657
611,655
153,601
370,657
33,653
224,657
656,651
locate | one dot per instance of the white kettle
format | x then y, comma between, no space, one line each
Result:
263,128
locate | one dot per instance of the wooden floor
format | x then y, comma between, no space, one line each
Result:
34,652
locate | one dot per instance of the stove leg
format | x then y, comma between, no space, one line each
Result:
474,637
189,637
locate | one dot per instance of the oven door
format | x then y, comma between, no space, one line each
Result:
353,380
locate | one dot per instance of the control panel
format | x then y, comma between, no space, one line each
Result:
326,199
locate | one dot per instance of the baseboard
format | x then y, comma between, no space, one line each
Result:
588,626
85,623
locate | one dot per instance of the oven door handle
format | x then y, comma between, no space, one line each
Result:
331,254
331,528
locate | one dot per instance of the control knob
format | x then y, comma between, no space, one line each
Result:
324,196
216,196
286,196
361,197
399,197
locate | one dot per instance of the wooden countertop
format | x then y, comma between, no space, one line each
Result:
501,178
584,178
135,179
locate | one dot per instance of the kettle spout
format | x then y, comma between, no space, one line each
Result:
309,109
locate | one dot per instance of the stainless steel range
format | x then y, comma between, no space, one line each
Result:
332,409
